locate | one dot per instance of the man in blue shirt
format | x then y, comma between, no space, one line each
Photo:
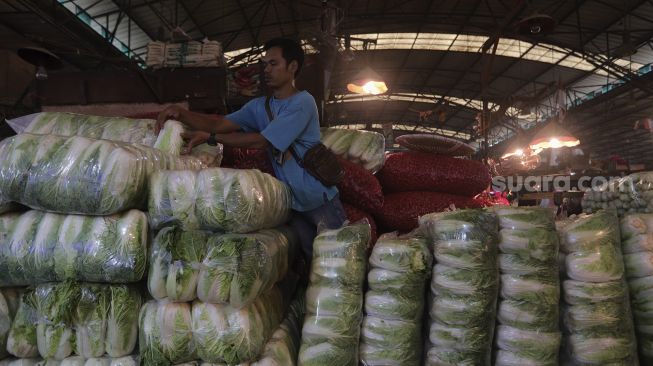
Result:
295,124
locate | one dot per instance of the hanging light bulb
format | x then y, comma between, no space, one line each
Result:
553,136
367,81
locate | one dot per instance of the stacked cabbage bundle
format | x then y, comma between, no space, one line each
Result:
134,131
464,286
630,194
334,298
9,300
39,247
597,320
79,175
233,275
283,346
528,311
222,199
57,320
365,148
73,361
637,246
394,304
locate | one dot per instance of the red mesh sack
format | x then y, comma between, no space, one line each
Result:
354,214
400,211
414,171
487,199
360,188
252,159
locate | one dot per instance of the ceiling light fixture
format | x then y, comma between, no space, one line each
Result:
367,81
553,136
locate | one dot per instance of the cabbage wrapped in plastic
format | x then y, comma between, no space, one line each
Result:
606,315
56,306
43,247
330,329
21,340
388,305
401,254
404,284
325,353
590,233
597,350
90,320
339,258
165,333
528,315
20,362
638,243
604,264
524,218
76,174
540,244
639,264
463,281
539,346
240,201
224,333
5,325
334,302
474,310
507,358
453,357
543,288
231,200
122,321
516,264
636,224
175,264
384,356
238,268
465,254
462,225
365,148
476,339
578,292
643,311
401,334
172,198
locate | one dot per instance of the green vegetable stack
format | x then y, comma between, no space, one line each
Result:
334,298
365,148
464,286
630,194
394,304
57,320
219,199
528,333
283,346
637,246
597,319
79,175
38,247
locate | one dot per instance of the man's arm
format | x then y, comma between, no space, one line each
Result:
251,140
196,121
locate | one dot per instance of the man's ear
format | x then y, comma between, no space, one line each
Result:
292,66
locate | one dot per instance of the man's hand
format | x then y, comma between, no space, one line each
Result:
194,138
171,112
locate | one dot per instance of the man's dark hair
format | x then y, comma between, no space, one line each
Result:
290,50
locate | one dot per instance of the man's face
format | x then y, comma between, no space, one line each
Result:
277,72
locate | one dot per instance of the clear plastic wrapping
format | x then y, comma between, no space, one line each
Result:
630,194
391,333
366,148
218,268
166,333
57,320
230,200
78,174
135,131
597,318
464,286
225,334
332,326
38,247
637,244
